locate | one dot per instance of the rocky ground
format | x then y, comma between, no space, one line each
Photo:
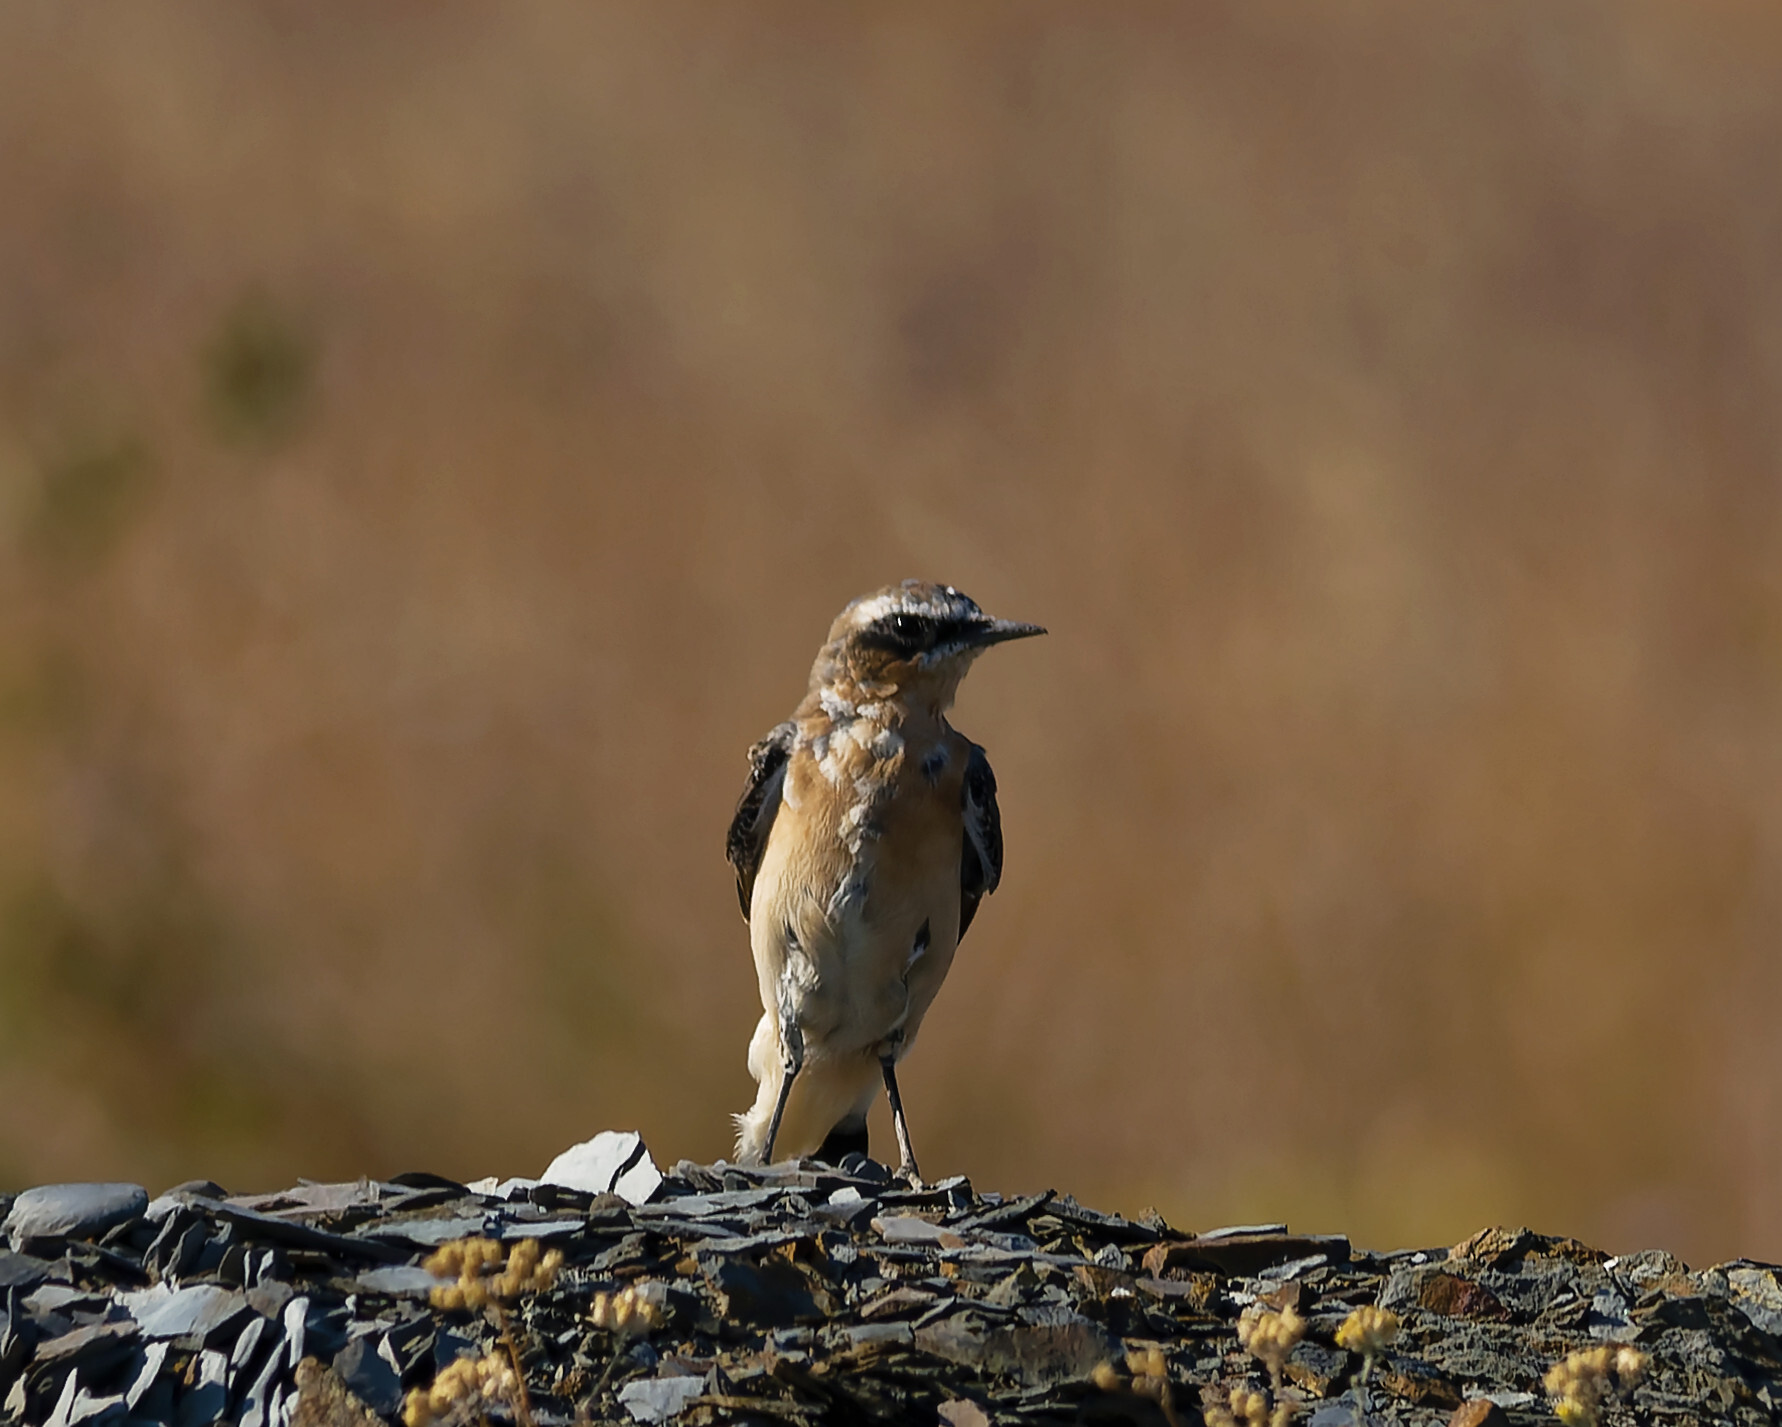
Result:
811,1294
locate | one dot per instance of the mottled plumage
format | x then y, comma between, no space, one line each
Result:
863,844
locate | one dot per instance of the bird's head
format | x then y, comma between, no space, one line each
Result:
915,639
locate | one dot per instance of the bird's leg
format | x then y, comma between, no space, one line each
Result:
906,1167
792,1061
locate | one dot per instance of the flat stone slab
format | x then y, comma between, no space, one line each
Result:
196,1311
72,1211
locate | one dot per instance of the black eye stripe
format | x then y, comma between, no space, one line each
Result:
907,635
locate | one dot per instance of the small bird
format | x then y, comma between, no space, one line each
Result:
866,838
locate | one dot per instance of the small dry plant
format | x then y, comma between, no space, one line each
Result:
633,1312
463,1392
1368,1331
482,1280
1147,1374
1270,1337
1583,1381
1248,1407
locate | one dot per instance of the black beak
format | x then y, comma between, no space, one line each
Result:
1000,631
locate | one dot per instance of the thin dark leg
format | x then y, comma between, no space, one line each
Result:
845,1139
792,1043
906,1156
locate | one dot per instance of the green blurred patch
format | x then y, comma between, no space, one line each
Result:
132,972
259,373
131,1000
41,691
88,495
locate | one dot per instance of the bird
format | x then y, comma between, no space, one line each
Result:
865,840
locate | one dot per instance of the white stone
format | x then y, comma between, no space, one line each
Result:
613,1162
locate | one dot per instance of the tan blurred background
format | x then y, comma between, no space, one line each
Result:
434,439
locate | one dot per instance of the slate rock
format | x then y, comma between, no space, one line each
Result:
1317,1368
153,1360
1455,1297
72,1211
21,1270
1758,1294
372,1380
207,1399
1040,1355
659,1399
773,1295
77,1405
323,1400
869,1335
398,1281
908,1229
199,1311
1417,1382
1479,1412
858,1166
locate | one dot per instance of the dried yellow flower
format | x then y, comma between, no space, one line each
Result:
1270,1337
1580,1383
1368,1330
632,1312
1242,1408
466,1386
476,1264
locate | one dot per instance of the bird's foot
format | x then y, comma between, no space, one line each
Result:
910,1175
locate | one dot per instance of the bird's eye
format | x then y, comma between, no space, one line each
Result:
904,635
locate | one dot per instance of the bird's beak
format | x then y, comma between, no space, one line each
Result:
1000,631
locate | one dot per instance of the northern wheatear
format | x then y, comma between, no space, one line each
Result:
865,840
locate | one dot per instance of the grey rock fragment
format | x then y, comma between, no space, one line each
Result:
21,1269
1757,1292
907,1229
295,1322
270,1297
207,1400
152,1362
77,1405
768,1296
72,1211
659,1399
870,1333
372,1380
398,1281
96,1347
199,1310
429,1233
247,1343
257,1404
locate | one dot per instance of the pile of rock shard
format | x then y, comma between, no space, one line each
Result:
807,1293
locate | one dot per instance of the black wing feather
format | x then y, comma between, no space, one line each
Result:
981,867
756,809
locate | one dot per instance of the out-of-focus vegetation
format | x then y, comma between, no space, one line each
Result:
433,441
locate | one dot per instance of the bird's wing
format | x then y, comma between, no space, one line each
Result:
756,809
981,867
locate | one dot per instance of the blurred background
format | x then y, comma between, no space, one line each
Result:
434,440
